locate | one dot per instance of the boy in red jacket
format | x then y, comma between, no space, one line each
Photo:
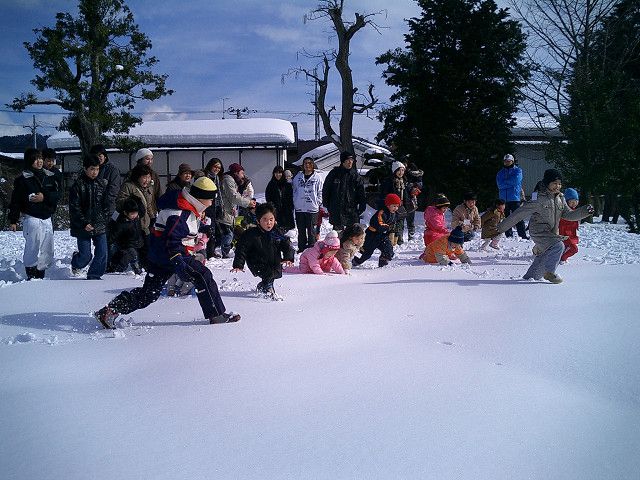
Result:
569,228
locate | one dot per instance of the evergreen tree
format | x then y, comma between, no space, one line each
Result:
97,65
602,123
458,83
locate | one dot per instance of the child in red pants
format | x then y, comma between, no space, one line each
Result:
569,228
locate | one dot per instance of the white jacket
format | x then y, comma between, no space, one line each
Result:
307,193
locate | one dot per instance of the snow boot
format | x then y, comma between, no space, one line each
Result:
552,277
224,318
106,316
356,261
383,262
32,272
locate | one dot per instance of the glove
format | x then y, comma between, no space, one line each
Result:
181,268
590,209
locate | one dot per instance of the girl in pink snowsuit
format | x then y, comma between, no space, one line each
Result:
321,258
434,224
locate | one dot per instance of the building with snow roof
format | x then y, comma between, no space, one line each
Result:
258,144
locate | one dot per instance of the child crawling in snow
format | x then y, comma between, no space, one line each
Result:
445,249
351,243
321,258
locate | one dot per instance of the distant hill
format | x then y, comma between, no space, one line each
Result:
18,143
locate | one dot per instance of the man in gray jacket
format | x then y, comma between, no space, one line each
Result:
545,213
307,198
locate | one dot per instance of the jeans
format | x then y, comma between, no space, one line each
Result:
83,256
520,226
545,262
226,238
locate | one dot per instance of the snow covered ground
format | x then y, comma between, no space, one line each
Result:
411,371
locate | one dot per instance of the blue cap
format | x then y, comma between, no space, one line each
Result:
571,194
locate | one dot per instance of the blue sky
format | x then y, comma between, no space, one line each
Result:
215,49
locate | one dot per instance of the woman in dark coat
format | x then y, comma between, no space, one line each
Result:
280,193
214,170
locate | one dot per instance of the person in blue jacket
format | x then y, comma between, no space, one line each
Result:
509,181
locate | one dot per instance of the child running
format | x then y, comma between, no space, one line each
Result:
172,242
490,220
377,236
321,258
569,228
265,250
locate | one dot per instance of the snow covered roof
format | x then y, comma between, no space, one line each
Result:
15,156
329,151
228,132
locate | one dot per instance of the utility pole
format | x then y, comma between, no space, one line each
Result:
224,99
241,111
33,127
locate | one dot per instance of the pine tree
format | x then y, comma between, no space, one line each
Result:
458,83
97,65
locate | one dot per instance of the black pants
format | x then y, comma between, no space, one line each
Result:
374,240
520,226
122,258
306,223
206,289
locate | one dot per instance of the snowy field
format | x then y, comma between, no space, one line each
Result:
406,372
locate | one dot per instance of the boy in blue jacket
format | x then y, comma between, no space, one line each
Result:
171,246
377,234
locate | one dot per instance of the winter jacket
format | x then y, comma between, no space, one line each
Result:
111,174
439,252
144,197
59,178
434,225
462,213
569,229
348,250
280,193
88,205
177,184
125,233
343,195
313,261
33,181
231,200
176,227
382,222
263,252
307,192
400,187
509,181
215,210
545,213
156,189
490,220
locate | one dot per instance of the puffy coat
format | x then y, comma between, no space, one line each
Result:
434,225
545,213
313,261
509,181
125,233
111,174
343,196
400,187
439,252
490,220
34,181
263,252
280,193
348,250
462,213
88,205
307,192
231,200
176,227
144,197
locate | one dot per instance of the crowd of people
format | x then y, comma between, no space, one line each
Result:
213,213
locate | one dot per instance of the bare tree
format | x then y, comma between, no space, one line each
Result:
559,31
352,102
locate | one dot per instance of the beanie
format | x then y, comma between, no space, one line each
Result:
571,194
331,241
441,200
396,165
203,188
235,168
551,175
469,196
143,152
392,199
508,158
183,168
457,236
346,155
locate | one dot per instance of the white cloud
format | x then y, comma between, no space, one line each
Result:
279,34
162,112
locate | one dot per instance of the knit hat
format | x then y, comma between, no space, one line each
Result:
203,188
331,241
396,165
469,196
345,155
571,194
183,168
457,236
441,200
508,158
143,152
235,168
392,199
551,175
